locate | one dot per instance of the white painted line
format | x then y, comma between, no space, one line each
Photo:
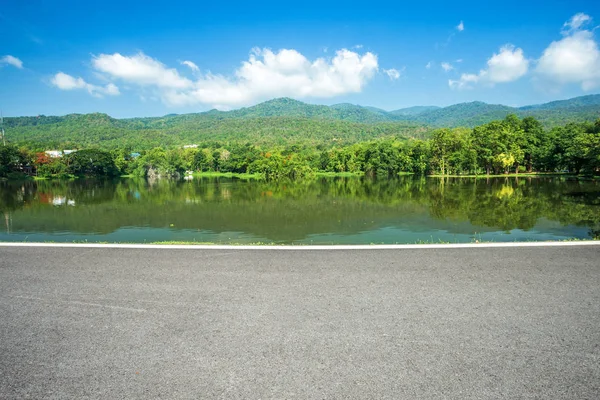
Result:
303,247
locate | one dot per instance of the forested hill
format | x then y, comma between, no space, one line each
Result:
578,109
282,121
100,130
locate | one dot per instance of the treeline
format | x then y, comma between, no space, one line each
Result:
511,145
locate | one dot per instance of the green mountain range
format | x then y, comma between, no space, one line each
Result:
282,120
411,111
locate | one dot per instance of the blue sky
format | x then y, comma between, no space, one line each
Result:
132,58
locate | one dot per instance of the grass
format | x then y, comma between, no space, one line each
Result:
338,174
209,174
511,175
53,177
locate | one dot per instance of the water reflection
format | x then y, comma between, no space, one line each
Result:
326,210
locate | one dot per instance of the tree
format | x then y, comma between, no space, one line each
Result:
91,162
10,160
202,161
533,136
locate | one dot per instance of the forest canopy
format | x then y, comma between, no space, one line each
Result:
510,145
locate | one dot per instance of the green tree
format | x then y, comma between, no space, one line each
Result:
91,162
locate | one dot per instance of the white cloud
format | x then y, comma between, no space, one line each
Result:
576,22
358,46
191,65
67,82
10,60
573,59
465,82
508,65
140,69
460,27
429,65
446,66
392,73
266,74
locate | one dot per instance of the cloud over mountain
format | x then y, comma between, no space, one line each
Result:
573,59
508,65
67,82
266,74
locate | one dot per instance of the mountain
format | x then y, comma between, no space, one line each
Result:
286,107
416,110
578,109
281,107
374,109
100,130
282,121
352,112
464,114
592,100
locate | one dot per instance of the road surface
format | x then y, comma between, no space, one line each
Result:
476,323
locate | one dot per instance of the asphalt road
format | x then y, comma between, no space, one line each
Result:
478,323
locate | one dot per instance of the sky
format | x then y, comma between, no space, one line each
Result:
144,58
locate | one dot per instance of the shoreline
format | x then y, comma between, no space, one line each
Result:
275,246
258,176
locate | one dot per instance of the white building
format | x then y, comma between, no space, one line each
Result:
58,153
54,153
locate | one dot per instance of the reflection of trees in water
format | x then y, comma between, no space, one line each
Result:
294,209
517,203
7,221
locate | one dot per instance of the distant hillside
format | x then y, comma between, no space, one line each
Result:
281,121
578,109
100,130
286,107
592,100
416,110
464,114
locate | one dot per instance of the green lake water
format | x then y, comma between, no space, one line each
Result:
320,211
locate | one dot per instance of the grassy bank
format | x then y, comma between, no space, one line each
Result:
513,175
226,175
338,174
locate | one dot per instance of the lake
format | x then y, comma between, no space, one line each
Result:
320,211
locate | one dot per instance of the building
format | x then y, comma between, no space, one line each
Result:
54,153
58,153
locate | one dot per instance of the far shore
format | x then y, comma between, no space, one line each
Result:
320,174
